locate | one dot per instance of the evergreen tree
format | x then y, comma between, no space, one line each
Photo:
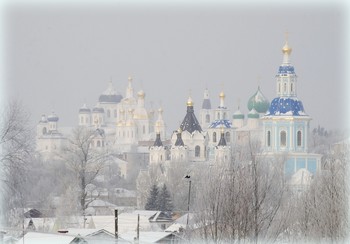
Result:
164,200
152,199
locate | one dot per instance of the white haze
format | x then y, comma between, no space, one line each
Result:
58,57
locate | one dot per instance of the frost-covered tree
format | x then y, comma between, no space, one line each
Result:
16,143
164,202
152,201
85,161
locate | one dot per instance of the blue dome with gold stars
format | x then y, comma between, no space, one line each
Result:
221,123
281,106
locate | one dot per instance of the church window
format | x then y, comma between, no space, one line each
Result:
291,87
283,138
207,118
108,113
218,115
86,120
299,138
98,143
279,87
285,87
115,113
228,137
143,129
81,120
44,130
103,143
224,117
161,157
197,151
269,138
214,136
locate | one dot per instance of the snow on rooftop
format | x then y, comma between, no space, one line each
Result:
145,237
44,238
301,178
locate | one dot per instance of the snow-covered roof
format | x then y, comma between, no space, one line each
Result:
44,238
145,237
301,178
126,222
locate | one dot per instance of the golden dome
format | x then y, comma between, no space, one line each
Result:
130,78
120,123
222,94
286,49
141,94
189,102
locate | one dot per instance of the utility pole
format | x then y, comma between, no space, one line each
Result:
137,238
116,223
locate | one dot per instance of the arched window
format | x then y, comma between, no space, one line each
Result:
108,113
214,136
86,120
207,118
283,138
269,138
44,130
115,113
98,143
103,143
299,138
224,116
161,157
81,120
218,116
228,137
279,87
197,151
285,87
291,87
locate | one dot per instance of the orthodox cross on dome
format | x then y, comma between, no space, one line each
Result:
258,79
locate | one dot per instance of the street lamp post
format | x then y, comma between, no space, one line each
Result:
189,199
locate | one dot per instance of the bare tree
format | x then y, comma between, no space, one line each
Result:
240,201
16,142
85,160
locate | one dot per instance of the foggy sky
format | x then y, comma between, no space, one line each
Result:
59,57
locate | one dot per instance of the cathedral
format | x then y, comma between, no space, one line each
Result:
282,127
124,125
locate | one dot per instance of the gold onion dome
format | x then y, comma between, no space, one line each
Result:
141,94
222,94
286,49
189,102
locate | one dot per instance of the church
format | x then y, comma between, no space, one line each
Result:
124,125
282,127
